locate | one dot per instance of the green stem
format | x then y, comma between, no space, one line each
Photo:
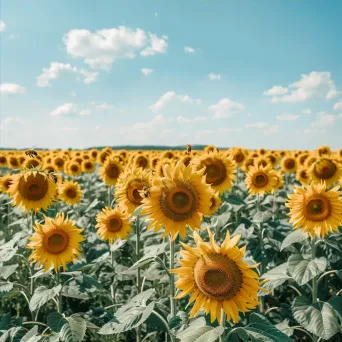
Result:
32,267
314,280
137,251
223,324
59,301
172,278
109,196
112,287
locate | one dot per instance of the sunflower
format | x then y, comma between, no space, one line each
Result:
262,161
112,224
210,148
315,210
32,190
239,156
247,164
280,180
219,170
218,278
324,151
260,180
110,171
102,156
5,182
72,168
325,169
177,200
289,164
3,160
31,163
70,192
302,175
215,201
59,162
13,162
141,160
55,243
129,185
88,166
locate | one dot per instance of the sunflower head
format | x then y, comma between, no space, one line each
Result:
110,171
5,182
325,169
73,168
113,224
32,190
260,180
31,163
217,278
289,164
55,243
88,165
302,175
13,162
315,210
324,151
215,201
70,192
3,160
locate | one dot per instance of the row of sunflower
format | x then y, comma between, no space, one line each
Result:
174,193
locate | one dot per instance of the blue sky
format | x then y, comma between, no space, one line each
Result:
231,73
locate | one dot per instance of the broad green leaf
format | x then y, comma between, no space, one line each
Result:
7,254
336,304
198,331
42,295
275,277
262,216
303,270
234,200
31,335
78,327
117,245
5,286
73,292
92,205
242,334
285,328
7,271
318,318
55,321
294,237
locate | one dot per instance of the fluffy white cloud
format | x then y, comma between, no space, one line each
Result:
2,26
146,71
12,120
307,111
213,76
64,109
287,117
55,69
84,112
323,119
169,97
182,119
314,85
272,130
276,90
11,89
225,108
257,125
101,48
338,106
189,49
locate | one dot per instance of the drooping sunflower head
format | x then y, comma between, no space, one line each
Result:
113,224
70,192
129,186
261,180
186,160
178,200
5,182
219,170
88,166
110,171
325,169
32,190
247,164
315,210
303,176
55,243
217,278
289,163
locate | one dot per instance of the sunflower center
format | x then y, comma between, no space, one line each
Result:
114,224
32,163
71,193
133,192
2,160
318,208
112,171
260,179
289,164
33,188
180,202
239,157
141,162
303,174
88,165
14,162
217,276
74,168
59,162
215,173
57,242
325,169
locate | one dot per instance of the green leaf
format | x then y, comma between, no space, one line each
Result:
31,335
7,271
117,244
5,286
234,200
294,237
73,292
198,331
276,277
7,254
336,304
92,205
319,318
285,328
78,327
42,295
55,321
262,216
303,270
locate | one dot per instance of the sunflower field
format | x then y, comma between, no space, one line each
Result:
180,246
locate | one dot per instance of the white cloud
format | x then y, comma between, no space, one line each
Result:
213,76
323,119
257,125
287,117
101,48
65,109
189,49
13,120
307,111
182,119
272,130
229,130
84,112
146,71
2,26
225,108
169,97
314,131
276,90
55,69
11,89
338,106
314,85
